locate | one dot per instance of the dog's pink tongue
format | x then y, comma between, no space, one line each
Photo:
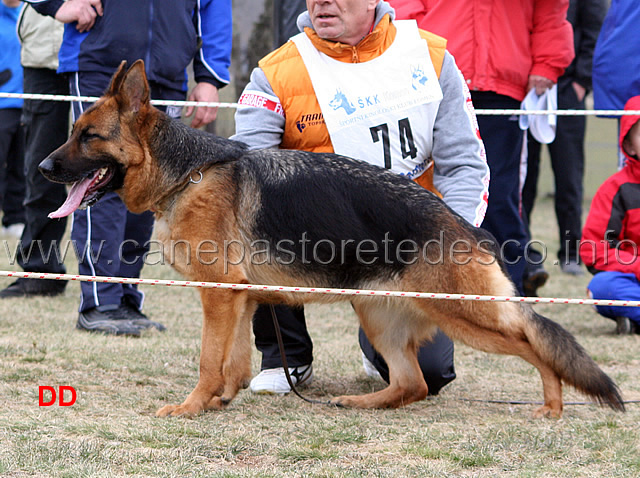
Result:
74,198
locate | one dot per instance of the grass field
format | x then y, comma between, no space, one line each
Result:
466,431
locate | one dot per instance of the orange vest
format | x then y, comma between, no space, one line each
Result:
304,125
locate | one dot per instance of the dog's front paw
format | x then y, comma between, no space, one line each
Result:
178,411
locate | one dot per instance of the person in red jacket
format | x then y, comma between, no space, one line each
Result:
503,49
610,237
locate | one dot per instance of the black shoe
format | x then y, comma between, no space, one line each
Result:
626,326
534,278
109,319
137,317
572,268
33,288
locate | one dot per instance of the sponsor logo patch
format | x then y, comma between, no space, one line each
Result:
258,99
312,119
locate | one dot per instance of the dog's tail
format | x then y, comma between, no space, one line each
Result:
560,350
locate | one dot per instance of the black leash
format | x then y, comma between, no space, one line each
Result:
532,402
283,358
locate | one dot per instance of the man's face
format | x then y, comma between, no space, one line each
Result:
346,21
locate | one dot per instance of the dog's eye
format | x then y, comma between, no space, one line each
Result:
87,136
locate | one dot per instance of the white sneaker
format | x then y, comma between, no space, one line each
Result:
274,380
370,369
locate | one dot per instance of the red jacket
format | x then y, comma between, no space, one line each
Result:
611,234
497,44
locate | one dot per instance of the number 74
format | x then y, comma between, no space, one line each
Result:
407,145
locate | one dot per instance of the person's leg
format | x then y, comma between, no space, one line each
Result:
9,129
567,160
295,337
435,359
616,286
97,233
530,188
535,276
503,140
98,230
12,206
297,345
100,235
46,127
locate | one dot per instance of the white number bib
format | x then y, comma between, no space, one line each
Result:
381,111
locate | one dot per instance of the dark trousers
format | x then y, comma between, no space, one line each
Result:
435,358
46,127
567,162
297,342
11,166
111,240
503,141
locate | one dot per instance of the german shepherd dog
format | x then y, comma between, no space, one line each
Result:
322,220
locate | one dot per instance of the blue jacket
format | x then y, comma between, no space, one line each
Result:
616,59
10,67
166,34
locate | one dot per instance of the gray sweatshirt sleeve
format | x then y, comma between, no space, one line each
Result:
461,173
259,127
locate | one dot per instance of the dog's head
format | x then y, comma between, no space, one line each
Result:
106,141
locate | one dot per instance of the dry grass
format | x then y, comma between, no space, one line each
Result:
111,430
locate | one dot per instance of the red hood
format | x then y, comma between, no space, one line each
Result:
626,122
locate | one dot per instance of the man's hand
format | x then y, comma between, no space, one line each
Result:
540,83
12,3
84,12
204,115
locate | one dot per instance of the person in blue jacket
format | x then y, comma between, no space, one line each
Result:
616,62
168,35
12,181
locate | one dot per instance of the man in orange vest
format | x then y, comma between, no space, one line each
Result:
357,83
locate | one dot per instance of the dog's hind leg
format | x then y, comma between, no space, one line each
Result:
515,329
225,364
393,335
499,328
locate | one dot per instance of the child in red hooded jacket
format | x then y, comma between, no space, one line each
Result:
611,234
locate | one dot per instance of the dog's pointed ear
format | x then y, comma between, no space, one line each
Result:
116,79
133,89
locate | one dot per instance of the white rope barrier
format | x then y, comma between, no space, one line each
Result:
559,112
319,290
93,99
509,112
